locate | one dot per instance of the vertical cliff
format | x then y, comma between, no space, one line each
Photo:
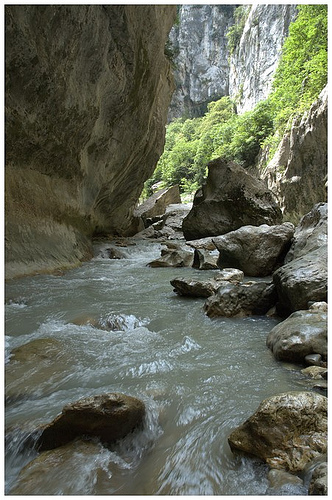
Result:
204,68
87,94
255,59
199,45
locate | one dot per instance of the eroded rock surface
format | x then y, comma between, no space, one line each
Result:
87,94
257,251
287,431
191,287
108,417
230,198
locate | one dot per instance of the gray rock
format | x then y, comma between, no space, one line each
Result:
171,257
302,333
157,203
313,360
287,431
230,198
241,299
191,287
302,280
318,483
108,417
257,251
298,171
310,234
279,478
204,259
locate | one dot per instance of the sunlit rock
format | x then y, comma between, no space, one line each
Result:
287,431
174,257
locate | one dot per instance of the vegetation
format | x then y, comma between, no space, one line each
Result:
300,77
235,31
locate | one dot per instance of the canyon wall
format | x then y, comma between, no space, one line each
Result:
87,94
204,69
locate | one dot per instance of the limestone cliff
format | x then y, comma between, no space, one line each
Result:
199,45
204,69
256,57
297,173
87,93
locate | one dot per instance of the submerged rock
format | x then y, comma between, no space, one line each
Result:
301,334
287,431
257,251
241,299
108,417
230,198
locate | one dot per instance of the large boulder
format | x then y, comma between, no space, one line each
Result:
108,417
230,198
287,431
302,333
257,251
301,281
241,299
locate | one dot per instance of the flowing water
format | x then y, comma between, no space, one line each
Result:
198,377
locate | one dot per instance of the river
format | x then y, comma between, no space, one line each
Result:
199,378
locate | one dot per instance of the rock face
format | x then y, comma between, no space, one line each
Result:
298,171
287,431
241,299
199,44
301,334
255,59
204,70
108,417
230,198
257,251
87,94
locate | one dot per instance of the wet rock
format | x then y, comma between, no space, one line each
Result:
279,478
120,322
318,483
313,360
108,417
315,372
112,253
301,281
301,334
241,299
191,287
34,368
174,257
204,259
72,469
258,251
194,288
230,198
287,431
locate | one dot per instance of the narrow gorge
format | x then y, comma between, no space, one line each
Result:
166,250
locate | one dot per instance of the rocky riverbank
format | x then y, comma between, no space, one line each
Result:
278,270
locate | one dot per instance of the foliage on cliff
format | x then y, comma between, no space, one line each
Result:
300,77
